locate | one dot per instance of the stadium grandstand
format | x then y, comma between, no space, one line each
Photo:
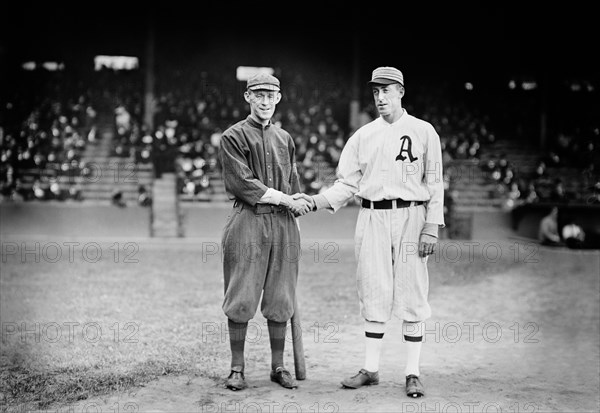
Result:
147,131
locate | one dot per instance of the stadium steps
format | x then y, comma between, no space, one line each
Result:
523,157
109,174
165,211
475,187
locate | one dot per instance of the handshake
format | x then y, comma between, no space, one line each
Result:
301,204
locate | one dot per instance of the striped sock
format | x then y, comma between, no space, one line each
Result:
413,336
374,332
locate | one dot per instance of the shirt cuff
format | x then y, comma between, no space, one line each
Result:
272,196
430,229
320,202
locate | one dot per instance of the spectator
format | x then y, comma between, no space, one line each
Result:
594,197
558,193
548,230
531,195
573,235
75,192
117,199
540,169
144,199
553,159
122,119
512,197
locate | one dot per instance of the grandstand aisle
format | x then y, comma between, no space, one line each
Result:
111,174
166,221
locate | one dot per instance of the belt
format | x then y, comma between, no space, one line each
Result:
262,208
389,203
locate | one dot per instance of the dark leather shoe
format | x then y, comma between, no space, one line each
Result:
363,378
284,378
236,380
414,387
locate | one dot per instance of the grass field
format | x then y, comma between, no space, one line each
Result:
138,325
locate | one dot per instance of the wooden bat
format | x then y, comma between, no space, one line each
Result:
298,345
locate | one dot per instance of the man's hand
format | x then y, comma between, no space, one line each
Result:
307,198
427,244
300,207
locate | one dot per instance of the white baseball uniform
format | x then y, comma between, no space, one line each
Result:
383,161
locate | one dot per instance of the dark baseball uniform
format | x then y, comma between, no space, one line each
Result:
261,242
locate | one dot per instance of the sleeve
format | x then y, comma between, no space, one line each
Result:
434,179
348,176
238,177
294,177
272,196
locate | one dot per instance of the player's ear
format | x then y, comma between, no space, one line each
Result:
247,96
277,97
401,90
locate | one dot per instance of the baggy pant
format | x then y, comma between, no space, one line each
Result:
261,254
392,279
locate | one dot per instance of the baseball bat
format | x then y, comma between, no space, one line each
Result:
298,345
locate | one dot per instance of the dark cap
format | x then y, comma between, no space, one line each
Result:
263,81
386,75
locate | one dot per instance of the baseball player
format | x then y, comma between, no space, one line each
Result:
394,166
259,172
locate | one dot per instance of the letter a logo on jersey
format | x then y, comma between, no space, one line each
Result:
406,149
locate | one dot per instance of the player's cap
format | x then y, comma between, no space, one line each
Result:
386,75
263,81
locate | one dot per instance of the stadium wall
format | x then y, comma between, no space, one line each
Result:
74,220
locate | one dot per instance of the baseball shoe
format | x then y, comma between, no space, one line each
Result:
236,380
363,378
284,378
414,387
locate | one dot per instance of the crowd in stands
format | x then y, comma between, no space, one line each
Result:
45,125
194,107
564,165
42,137
568,172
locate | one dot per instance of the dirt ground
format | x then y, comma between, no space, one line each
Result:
514,336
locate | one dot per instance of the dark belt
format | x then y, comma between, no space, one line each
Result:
262,208
389,203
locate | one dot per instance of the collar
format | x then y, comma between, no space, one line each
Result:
397,121
254,123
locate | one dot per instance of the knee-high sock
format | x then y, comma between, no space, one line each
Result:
277,338
237,339
373,341
413,336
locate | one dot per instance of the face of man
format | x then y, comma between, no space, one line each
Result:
388,99
262,103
